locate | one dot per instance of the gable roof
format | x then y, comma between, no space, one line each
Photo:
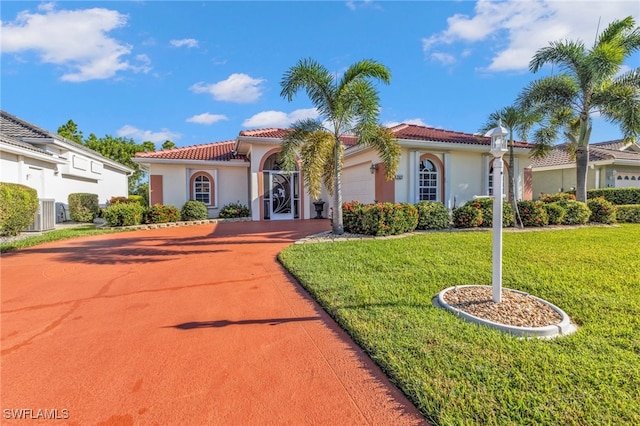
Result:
214,151
401,131
18,132
598,152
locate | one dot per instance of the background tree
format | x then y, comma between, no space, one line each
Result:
168,144
119,149
70,131
348,106
518,122
589,83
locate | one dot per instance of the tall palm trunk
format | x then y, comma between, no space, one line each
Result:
582,163
517,222
338,226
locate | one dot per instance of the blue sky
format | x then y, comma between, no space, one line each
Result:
199,72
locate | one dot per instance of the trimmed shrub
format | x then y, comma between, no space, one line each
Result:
577,213
352,217
628,213
379,219
485,205
116,200
83,207
194,210
467,216
432,215
124,214
388,218
617,196
137,199
560,197
234,210
602,211
555,213
18,205
533,213
159,213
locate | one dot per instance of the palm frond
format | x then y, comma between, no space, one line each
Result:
315,79
385,144
566,53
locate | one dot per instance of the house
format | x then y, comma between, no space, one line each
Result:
56,167
435,164
613,164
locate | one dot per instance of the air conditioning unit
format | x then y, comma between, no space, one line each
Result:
44,219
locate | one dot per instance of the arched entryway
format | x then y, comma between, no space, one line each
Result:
281,190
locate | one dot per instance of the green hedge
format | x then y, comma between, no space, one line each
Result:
233,210
628,213
379,219
467,216
485,205
159,213
194,210
555,213
18,205
617,196
432,215
533,213
124,214
602,211
83,207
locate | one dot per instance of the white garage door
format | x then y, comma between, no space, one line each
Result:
628,180
358,183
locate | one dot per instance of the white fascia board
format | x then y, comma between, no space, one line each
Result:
251,140
232,163
450,146
626,162
31,154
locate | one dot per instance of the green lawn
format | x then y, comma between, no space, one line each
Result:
456,373
56,235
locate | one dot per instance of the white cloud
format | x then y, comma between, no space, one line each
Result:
76,39
186,42
416,121
355,4
443,58
279,119
129,131
207,118
239,88
519,28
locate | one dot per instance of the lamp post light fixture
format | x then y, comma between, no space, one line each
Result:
498,137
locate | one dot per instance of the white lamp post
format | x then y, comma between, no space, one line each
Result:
498,137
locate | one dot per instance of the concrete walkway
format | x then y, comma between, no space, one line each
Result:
180,326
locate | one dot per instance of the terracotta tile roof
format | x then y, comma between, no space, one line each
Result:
597,152
216,151
277,133
415,132
402,131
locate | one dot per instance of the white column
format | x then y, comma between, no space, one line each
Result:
517,178
187,178
413,176
446,197
597,183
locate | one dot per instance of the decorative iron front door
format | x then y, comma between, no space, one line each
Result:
281,205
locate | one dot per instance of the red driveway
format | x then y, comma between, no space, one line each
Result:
194,325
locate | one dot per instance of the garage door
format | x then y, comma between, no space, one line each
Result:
628,180
358,183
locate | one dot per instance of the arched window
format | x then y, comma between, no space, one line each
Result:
428,181
203,188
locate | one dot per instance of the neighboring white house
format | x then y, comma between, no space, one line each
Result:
439,165
56,167
613,164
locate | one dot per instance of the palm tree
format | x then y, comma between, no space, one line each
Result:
589,83
347,106
517,121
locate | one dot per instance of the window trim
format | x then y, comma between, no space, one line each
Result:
212,187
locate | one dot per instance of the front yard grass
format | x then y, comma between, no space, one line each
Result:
57,235
455,372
